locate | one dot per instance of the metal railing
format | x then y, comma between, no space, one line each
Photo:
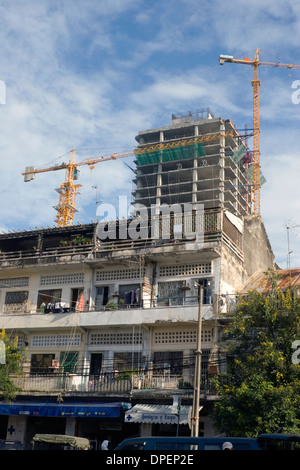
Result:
213,228
56,255
58,382
114,383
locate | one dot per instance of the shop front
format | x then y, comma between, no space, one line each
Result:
92,420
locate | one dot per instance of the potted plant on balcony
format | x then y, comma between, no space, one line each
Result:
82,240
78,240
111,306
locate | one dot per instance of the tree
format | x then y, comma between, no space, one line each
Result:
11,359
260,392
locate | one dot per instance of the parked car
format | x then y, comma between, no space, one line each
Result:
279,441
10,445
186,443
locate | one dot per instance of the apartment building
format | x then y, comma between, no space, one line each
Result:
108,311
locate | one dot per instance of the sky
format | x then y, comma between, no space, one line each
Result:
89,75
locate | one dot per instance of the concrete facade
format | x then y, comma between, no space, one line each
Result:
120,318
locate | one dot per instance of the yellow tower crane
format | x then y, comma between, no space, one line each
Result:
255,192
66,207
68,190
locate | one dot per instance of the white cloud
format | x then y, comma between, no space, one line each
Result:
90,75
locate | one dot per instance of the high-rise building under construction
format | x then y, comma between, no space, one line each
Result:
198,159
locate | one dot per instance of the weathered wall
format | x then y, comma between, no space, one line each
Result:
232,271
258,252
258,255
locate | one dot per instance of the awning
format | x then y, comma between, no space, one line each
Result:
64,410
156,414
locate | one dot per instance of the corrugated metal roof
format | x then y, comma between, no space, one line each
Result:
286,279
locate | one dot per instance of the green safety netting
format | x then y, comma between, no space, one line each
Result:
167,155
251,176
239,154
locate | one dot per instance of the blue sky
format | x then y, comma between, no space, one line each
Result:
90,74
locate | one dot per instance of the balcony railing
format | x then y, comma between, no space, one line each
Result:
104,384
48,256
57,382
160,302
215,228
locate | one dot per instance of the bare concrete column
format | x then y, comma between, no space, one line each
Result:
159,175
195,172
222,165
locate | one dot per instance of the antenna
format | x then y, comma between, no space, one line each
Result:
288,228
97,202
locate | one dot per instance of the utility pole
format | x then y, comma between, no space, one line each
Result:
176,410
197,379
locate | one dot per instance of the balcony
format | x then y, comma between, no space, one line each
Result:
212,228
105,384
68,254
59,383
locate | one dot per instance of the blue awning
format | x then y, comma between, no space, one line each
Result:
64,410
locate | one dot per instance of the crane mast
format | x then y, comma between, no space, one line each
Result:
67,195
255,189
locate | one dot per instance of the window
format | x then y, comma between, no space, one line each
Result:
207,289
77,300
96,363
48,300
73,278
101,298
206,353
115,338
15,301
16,297
171,293
69,361
41,363
170,445
182,336
126,361
134,446
14,282
118,274
129,295
168,362
46,341
185,269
